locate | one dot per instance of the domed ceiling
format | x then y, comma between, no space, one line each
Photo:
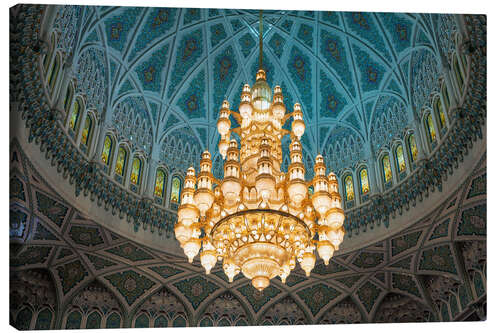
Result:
353,73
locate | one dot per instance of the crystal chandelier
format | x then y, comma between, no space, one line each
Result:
258,220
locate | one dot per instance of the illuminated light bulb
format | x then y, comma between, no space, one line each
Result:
191,248
307,263
182,233
208,259
325,250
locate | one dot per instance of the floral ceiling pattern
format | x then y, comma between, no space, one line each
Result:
352,72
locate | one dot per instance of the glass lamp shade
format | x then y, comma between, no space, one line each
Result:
336,236
183,233
279,110
261,95
187,214
208,259
230,269
307,263
297,191
335,217
223,126
204,198
321,201
298,127
325,250
191,248
231,189
223,146
245,110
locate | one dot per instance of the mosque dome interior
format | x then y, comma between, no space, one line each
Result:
111,105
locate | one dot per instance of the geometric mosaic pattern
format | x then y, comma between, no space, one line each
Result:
131,272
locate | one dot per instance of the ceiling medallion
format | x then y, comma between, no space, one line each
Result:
257,219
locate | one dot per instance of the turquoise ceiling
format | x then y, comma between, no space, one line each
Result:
352,72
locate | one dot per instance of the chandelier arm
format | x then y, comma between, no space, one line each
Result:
237,116
286,117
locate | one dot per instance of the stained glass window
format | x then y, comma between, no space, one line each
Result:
142,321
430,128
113,321
413,147
363,178
176,189
87,128
439,108
349,188
458,73
43,320
106,150
75,115
160,183
53,72
446,97
135,175
74,320
68,97
386,164
400,158
93,320
121,161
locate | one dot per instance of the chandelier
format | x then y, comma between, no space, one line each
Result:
259,220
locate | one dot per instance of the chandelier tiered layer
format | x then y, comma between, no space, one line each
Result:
257,219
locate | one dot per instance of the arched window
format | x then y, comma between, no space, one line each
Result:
458,73
160,183
93,320
54,70
363,181
142,321
348,188
23,320
74,320
439,110
48,56
386,168
446,96
121,161
179,322
161,321
107,149
176,190
430,128
310,191
400,159
113,321
68,98
44,320
75,115
412,145
135,175
87,130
